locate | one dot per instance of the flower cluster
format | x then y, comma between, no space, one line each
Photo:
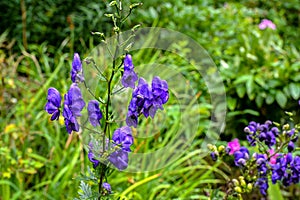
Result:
275,159
286,169
264,132
73,101
265,23
147,100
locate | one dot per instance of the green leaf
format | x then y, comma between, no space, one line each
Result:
250,88
243,79
270,99
231,103
274,192
281,99
294,90
259,100
241,91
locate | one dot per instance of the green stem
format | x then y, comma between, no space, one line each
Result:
107,116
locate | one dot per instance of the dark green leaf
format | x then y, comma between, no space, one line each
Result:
281,99
294,90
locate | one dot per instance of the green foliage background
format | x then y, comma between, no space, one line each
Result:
38,160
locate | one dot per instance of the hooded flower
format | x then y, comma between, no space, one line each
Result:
119,159
146,100
73,105
123,137
129,76
160,94
95,114
107,187
53,104
240,156
76,72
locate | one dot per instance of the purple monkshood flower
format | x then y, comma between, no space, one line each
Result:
76,72
241,156
264,132
53,104
73,105
119,159
128,65
265,23
160,94
280,169
233,146
263,185
129,76
140,102
213,156
95,114
261,161
92,159
123,137
146,100
107,187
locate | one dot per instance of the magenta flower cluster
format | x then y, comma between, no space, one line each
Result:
265,23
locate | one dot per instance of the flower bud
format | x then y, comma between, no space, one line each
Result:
249,187
243,183
112,3
135,5
238,189
221,148
286,127
235,182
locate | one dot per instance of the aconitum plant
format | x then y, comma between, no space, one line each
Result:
109,147
270,157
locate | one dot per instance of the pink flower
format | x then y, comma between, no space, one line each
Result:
265,23
234,145
273,156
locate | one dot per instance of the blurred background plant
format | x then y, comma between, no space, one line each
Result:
260,69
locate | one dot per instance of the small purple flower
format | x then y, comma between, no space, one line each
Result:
160,94
76,72
95,114
263,185
265,23
291,146
241,156
129,76
53,104
140,103
128,65
107,187
213,156
73,105
92,159
119,159
123,137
